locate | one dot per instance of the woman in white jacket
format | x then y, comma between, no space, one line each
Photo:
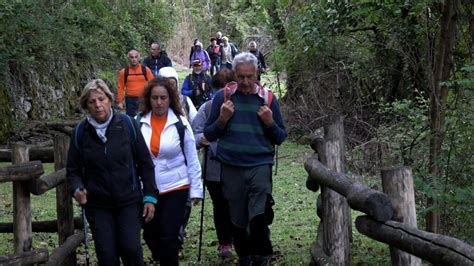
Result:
177,168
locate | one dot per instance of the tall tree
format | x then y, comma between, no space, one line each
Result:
439,93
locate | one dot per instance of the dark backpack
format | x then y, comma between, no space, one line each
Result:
127,70
78,134
79,131
179,126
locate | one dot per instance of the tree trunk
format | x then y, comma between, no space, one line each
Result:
442,69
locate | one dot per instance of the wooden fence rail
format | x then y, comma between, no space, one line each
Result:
28,178
391,218
435,248
359,196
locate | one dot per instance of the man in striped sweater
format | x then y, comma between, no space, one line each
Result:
247,126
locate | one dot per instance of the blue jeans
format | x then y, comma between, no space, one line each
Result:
131,105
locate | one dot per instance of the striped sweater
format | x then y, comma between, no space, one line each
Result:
245,141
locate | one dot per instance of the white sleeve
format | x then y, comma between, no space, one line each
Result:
194,166
192,110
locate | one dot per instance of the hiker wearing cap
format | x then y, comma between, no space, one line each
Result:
197,85
192,51
157,59
110,173
131,81
262,67
247,121
229,51
170,141
201,54
220,207
215,53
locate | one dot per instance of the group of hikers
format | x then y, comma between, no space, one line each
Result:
142,169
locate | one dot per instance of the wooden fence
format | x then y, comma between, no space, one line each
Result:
390,218
28,178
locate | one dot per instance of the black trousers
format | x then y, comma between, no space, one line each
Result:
116,234
221,213
161,233
253,241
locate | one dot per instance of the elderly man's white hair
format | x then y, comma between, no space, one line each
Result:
244,58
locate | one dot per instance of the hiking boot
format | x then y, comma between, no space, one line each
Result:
225,251
244,261
259,260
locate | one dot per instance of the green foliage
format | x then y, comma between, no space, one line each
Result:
405,130
63,44
235,19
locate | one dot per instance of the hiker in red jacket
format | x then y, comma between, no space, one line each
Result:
215,52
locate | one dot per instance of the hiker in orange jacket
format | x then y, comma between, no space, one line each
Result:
131,82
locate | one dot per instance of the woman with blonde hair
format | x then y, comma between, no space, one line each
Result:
107,161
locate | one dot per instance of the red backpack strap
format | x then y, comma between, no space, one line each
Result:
229,89
269,97
265,93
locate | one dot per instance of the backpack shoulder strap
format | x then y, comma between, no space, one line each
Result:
180,127
268,97
144,72
127,71
229,89
130,126
78,134
138,118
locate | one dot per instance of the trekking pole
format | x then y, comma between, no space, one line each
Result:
276,159
204,172
86,242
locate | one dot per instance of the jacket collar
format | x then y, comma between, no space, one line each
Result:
170,119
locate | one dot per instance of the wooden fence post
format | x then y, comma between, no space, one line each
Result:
22,236
397,183
64,205
335,207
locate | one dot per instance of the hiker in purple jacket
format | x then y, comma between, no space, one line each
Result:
201,54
